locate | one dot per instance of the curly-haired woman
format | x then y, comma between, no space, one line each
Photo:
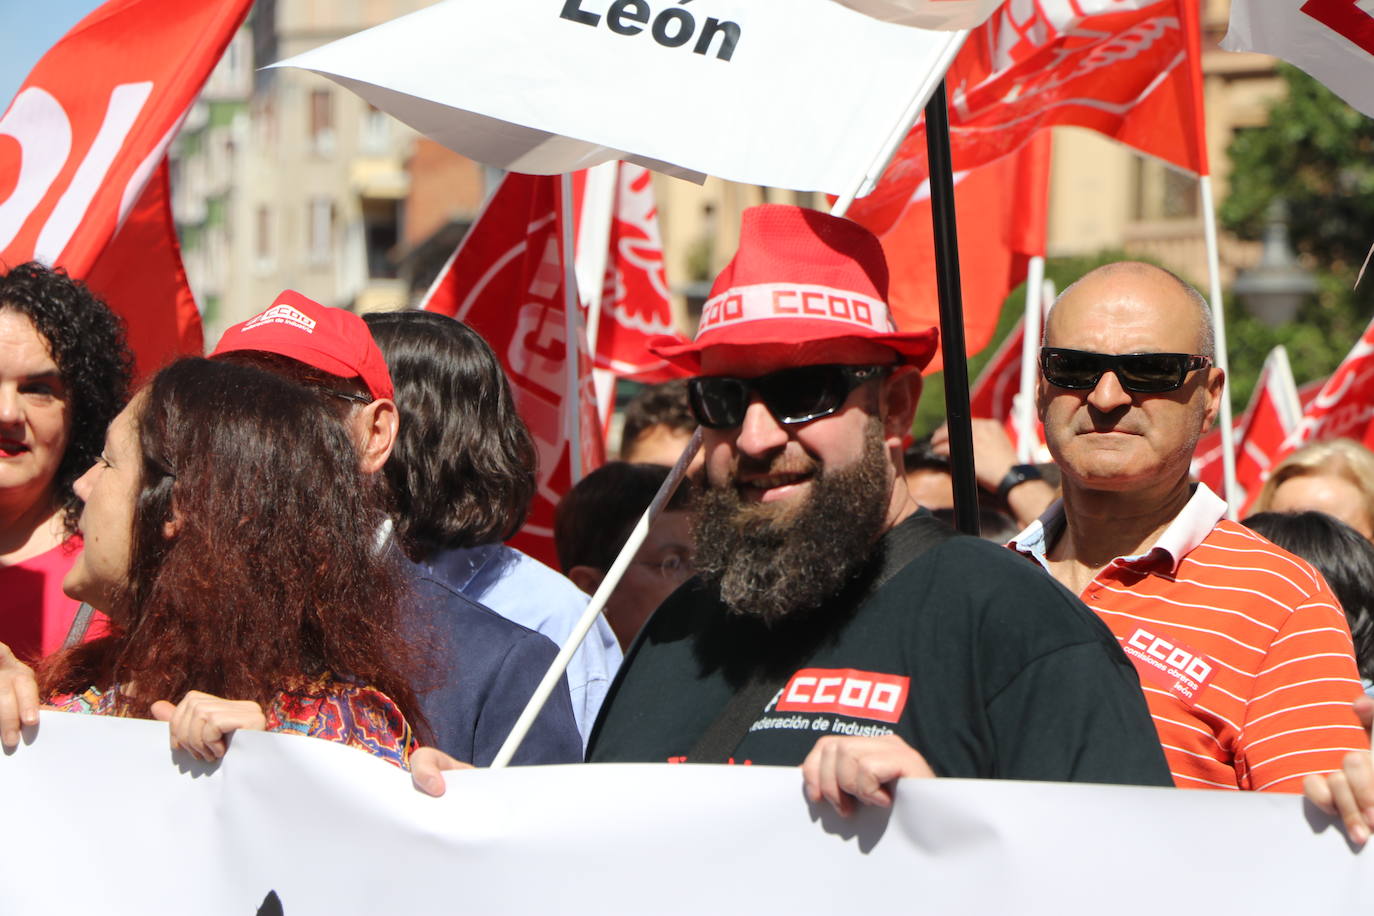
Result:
230,536
64,374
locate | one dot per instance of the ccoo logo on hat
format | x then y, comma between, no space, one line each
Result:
800,277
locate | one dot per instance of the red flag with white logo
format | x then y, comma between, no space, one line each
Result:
1002,210
1332,40
1345,404
635,302
506,281
1121,67
86,132
1261,432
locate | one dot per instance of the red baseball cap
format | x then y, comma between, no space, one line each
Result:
801,280
332,340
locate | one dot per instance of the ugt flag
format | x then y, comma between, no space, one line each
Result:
507,281
80,149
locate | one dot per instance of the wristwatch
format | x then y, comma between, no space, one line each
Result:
1018,475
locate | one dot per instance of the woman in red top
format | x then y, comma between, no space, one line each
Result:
64,374
230,537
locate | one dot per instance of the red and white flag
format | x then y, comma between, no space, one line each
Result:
1121,67
1345,404
506,281
997,390
635,304
1333,40
1002,210
1270,418
80,142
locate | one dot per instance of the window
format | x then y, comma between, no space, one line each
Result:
320,227
262,238
322,121
1163,192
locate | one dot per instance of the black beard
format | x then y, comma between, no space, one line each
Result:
774,563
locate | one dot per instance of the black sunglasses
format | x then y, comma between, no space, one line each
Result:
791,395
1143,373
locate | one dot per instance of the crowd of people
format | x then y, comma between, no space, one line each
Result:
305,532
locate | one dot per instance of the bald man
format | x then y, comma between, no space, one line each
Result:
1242,649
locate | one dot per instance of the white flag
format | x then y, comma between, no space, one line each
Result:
1333,40
800,94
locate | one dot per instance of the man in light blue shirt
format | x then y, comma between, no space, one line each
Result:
463,474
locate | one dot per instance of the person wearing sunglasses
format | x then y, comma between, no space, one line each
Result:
1241,647
830,622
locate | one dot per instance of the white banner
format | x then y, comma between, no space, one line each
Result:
100,817
801,94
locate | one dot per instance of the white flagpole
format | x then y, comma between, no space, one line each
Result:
571,328
594,229
1228,435
1023,405
603,591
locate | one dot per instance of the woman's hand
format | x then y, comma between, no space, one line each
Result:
427,765
18,697
202,724
1348,793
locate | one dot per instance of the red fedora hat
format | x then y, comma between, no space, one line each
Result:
800,278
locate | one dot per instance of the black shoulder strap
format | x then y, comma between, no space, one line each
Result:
901,545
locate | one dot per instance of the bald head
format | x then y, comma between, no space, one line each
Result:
1168,295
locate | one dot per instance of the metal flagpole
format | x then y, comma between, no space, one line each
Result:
952,346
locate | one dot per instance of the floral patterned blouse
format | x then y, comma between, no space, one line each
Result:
361,717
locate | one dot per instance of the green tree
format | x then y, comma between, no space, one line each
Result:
1316,154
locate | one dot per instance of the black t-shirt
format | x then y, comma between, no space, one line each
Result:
978,660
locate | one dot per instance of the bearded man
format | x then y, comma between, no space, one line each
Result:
831,621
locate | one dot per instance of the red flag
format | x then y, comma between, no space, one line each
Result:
1001,210
87,130
506,281
1125,68
1260,432
141,276
1345,404
995,392
635,303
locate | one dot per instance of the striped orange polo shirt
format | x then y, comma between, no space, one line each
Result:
1243,651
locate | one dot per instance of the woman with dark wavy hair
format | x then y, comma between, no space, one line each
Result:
230,537
462,475
64,374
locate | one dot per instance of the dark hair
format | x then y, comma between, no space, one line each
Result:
595,518
665,404
272,579
920,456
462,471
86,341
1343,556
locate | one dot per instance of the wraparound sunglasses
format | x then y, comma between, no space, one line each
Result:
791,395
1143,373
